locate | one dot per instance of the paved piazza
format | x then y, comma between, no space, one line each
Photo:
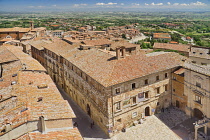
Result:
151,129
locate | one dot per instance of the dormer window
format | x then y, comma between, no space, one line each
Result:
157,78
166,75
133,85
146,81
117,90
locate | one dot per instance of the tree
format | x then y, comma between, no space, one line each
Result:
123,36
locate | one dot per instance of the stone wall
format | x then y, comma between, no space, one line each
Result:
179,99
197,85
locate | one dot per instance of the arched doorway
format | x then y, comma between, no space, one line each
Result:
88,110
147,111
198,114
177,104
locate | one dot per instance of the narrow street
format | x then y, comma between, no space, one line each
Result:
84,121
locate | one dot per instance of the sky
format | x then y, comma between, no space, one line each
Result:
51,5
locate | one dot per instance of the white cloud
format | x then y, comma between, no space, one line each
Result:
159,4
110,3
100,3
184,4
54,5
135,4
122,4
156,4
40,6
168,3
198,3
78,5
176,4
146,4
31,6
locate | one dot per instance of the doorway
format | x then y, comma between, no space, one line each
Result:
147,111
198,114
177,104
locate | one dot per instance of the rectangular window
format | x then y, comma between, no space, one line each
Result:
133,85
198,84
166,75
194,62
158,90
198,99
157,78
146,81
146,95
166,87
117,106
117,90
133,100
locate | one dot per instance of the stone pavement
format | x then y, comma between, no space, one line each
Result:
84,121
151,129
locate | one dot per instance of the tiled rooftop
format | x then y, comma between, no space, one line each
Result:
15,29
70,134
124,43
27,61
39,44
180,71
6,56
107,70
161,35
97,42
178,47
60,46
33,94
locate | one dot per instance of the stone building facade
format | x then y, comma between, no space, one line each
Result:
197,88
200,55
107,89
179,99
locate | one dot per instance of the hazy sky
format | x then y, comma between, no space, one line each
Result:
30,5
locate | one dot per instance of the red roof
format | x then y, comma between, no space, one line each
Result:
178,47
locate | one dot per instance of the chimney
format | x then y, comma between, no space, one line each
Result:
120,52
32,25
43,125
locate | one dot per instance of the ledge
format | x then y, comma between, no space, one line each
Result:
118,111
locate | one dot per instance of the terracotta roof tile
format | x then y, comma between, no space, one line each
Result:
178,47
15,29
107,70
161,35
27,61
69,134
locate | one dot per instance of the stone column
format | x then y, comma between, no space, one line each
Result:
205,130
196,133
